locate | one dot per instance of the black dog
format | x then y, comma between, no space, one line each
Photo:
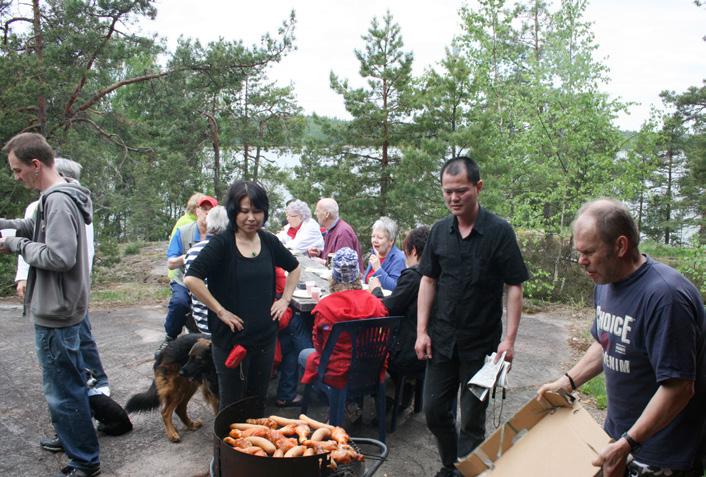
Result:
112,418
179,370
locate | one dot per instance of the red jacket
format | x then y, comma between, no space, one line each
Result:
280,281
340,306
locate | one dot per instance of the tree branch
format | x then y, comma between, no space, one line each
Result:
89,65
108,89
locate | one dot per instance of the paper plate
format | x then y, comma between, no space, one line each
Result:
301,294
316,270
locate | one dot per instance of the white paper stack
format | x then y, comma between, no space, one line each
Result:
490,375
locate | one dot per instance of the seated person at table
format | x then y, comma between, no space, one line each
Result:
339,233
386,261
301,232
403,302
346,302
293,336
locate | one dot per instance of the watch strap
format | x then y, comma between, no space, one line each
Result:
634,445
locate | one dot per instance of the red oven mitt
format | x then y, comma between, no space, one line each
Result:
237,354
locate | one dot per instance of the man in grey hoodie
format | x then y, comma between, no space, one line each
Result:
53,243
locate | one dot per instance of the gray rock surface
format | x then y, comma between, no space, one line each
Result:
127,339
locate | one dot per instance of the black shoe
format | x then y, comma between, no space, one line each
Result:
447,472
52,444
71,471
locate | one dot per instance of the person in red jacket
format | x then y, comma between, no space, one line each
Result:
346,302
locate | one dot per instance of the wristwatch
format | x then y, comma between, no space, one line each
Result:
634,445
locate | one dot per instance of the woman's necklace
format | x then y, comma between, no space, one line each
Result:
247,247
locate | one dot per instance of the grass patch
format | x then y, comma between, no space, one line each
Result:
595,388
129,294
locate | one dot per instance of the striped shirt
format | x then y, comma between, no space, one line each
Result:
198,310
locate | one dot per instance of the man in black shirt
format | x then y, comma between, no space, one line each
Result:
470,257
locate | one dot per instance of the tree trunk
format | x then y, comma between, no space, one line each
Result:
39,52
216,145
668,209
384,166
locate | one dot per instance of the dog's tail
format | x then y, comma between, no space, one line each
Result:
145,401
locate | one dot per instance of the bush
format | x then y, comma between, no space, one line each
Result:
132,248
8,268
555,276
107,253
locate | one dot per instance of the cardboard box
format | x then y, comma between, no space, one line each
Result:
547,438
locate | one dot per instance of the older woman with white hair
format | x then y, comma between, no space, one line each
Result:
386,261
301,232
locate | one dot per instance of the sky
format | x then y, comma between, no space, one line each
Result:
648,45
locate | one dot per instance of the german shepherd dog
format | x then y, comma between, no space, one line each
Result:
179,370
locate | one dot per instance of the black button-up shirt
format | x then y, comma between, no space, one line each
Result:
470,273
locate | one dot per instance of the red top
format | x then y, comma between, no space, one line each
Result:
340,306
292,232
280,282
370,273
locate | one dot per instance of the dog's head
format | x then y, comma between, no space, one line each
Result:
200,361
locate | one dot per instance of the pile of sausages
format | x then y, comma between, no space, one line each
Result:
277,436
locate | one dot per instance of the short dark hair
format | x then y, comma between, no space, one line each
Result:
612,219
28,146
453,167
416,239
254,191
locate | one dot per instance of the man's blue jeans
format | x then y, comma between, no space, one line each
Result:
179,306
292,340
90,356
58,351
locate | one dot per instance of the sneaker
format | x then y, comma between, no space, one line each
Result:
72,471
52,444
447,472
167,339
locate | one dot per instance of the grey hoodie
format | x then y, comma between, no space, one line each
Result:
53,243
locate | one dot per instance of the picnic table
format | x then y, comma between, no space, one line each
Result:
312,270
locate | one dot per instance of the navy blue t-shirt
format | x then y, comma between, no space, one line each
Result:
651,328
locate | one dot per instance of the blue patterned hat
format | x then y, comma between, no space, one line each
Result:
344,266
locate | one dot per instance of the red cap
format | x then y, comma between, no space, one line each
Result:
207,199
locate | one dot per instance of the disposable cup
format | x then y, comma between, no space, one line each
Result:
315,293
8,232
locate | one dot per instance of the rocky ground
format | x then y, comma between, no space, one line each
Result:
127,316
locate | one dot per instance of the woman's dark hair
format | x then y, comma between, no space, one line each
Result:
254,191
416,239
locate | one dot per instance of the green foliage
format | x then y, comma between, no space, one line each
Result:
107,253
132,248
596,389
554,274
8,267
129,294
358,162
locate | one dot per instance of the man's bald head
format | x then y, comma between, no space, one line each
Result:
326,211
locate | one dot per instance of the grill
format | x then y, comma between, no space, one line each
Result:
228,462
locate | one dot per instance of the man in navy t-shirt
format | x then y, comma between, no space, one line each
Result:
649,332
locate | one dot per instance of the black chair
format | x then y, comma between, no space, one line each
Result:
418,392
371,340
